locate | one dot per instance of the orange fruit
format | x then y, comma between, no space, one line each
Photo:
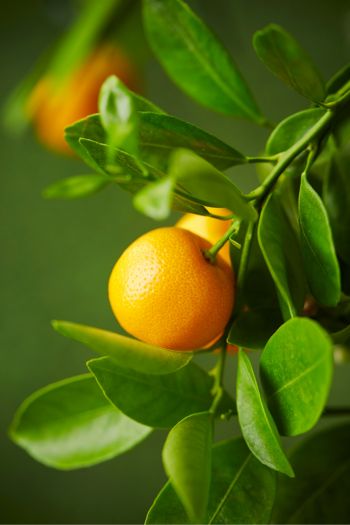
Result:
209,228
165,292
54,105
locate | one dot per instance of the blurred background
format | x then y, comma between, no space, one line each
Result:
56,256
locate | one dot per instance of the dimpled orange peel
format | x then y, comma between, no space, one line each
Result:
164,291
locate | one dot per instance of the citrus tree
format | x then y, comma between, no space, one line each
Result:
266,271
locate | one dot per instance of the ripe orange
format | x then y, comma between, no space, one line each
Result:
53,106
208,228
165,292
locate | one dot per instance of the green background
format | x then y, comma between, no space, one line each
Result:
56,256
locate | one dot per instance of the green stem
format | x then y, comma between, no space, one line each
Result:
259,160
213,251
223,217
242,271
345,95
336,411
288,156
218,389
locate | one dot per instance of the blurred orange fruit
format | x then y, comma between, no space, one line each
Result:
165,292
209,228
52,107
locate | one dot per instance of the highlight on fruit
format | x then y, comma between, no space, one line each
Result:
164,290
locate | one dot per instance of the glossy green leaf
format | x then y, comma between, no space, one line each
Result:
161,134
320,260
292,129
142,104
133,175
205,182
118,115
187,462
195,60
89,128
155,199
70,425
336,197
321,492
286,59
116,162
338,80
257,425
296,371
280,247
155,400
125,351
242,490
76,187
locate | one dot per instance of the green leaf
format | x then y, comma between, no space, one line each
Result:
118,115
257,425
161,134
70,425
155,400
205,182
296,371
242,490
286,59
338,80
320,260
90,128
155,199
280,248
76,187
187,462
117,162
336,197
321,494
142,104
133,175
292,129
195,60
125,352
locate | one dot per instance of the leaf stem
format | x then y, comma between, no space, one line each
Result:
218,390
213,251
288,156
269,160
242,271
345,95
